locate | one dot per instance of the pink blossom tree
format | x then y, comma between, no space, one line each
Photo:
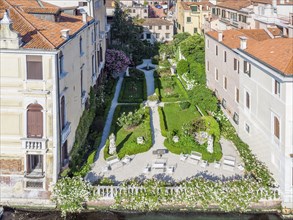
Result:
116,62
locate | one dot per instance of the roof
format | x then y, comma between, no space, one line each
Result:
155,22
276,52
235,5
39,33
205,4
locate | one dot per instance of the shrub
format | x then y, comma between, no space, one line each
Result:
184,105
133,72
155,60
71,193
182,67
130,120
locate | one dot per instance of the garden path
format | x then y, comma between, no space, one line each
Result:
136,167
108,123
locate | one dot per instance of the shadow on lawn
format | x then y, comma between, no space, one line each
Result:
119,146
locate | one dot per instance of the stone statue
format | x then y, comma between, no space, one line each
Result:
112,146
127,71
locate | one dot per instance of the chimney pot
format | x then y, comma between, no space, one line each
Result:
65,33
84,15
220,36
243,42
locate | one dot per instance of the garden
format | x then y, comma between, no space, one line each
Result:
129,123
133,88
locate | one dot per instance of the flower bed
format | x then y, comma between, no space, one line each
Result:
126,138
133,90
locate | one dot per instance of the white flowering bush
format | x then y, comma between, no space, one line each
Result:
70,194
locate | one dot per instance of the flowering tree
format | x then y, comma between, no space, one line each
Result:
116,61
70,194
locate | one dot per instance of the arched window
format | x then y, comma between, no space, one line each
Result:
34,121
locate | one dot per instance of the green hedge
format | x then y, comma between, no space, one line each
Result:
133,72
155,60
163,123
137,96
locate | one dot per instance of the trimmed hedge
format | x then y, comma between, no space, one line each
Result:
137,96
163,123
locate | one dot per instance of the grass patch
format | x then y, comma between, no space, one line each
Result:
133,90
126,139
170,89
173,111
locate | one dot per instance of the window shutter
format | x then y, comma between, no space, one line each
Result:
34,121
34,67
276,127
247,100
28,169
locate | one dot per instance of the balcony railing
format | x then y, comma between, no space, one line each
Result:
65,132
34,143
34,174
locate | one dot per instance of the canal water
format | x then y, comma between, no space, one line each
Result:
11,214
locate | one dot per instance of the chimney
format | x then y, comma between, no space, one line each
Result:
220,36
65,33
243,42
84,15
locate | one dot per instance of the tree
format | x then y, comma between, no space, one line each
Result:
192,48
182,67
116,61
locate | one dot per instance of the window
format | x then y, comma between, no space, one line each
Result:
225,56
194,30
208,65
61,62
188,19
276,127
151,27
224,103
82,3
148,36
63,116
98,58
145,11
167,36
34,164
237,95
93,36
81,83
167,27
193,9
225,82
247,68
160,27
235,64
64,154
247,128
247,100
34,121
93,65
80,46
238,66
277,88
101,54
34,67
208,43
216,74
217,50
236,118
133,10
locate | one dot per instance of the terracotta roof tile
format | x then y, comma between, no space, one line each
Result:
155,22
38,33
276,52
205,4
235,5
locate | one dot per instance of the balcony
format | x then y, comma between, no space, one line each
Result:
34,174
65,132
38,144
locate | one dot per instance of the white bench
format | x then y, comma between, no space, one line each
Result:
194,157
229,163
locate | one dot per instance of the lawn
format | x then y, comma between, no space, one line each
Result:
126,138
170,89
133,90
176,117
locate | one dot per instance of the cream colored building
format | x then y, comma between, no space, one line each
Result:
251,72
48,64
190,16
157,30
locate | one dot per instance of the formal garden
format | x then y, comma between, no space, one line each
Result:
190,119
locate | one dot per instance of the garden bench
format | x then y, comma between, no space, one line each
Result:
204,163
183,157
159,164
112,160
147,169
171,168
229,163
126,159
194,157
